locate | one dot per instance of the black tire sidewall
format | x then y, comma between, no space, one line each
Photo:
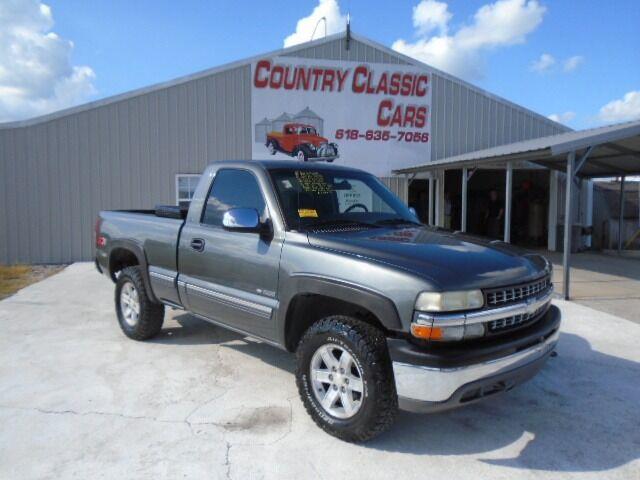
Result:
151,314
349,428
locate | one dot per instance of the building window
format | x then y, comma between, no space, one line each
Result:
186,187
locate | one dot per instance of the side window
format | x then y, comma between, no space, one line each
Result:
232,189
185,188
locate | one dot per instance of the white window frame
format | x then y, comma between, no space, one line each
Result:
177,185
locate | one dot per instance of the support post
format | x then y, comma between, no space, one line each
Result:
431,199
508,202
589,210
621,215
568,221
437,217
552,221
465,181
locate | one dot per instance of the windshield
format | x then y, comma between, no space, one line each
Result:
311,199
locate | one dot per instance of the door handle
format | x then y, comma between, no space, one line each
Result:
197,244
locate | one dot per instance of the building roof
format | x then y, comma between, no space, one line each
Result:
615,152
289,51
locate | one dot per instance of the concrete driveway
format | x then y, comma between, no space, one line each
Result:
78,399
607,283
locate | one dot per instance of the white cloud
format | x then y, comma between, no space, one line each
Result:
431,15
547,62
544,63
503,23
336,22
571,63
36,74
626,108
562,117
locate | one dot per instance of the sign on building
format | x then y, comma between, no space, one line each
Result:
376,117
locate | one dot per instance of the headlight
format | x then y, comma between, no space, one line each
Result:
449,301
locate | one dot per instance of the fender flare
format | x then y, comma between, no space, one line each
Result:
138,250
306,283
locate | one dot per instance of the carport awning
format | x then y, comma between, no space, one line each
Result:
613,151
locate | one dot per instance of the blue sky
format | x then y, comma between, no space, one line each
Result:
121,45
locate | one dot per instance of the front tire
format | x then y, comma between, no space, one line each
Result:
345,378
139,317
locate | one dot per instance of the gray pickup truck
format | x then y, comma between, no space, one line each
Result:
324,261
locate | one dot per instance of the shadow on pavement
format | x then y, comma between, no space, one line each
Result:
194,331
580,413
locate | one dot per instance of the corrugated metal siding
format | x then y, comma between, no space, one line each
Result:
464,120
57,175
358,52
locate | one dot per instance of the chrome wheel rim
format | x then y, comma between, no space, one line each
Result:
301,156
337,381
130,304
272,149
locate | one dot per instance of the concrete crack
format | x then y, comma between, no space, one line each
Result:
90,412
227,462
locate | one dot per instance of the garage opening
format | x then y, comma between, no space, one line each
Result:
419,198
530,208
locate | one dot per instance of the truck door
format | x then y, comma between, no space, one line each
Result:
231,277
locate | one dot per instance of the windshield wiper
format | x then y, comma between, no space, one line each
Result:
396,221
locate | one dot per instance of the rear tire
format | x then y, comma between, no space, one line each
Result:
139,317
301,155
370,411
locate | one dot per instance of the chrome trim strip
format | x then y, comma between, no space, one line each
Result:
431,384
486,315
162,276
252,307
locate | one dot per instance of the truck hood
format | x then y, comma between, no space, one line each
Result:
450,261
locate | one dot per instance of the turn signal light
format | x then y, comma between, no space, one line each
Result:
445,334
429,333
422,331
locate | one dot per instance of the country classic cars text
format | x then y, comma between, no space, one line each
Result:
359,80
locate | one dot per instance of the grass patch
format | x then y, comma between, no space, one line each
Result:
16,277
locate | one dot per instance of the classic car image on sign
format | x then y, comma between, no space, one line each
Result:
301,141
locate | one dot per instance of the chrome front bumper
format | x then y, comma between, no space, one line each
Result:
416,383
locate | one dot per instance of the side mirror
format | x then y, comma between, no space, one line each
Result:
413,211
242,220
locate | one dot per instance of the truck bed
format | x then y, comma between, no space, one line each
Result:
158,235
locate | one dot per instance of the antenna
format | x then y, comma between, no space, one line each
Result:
348,30
318,23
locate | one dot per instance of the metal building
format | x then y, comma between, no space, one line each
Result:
144,147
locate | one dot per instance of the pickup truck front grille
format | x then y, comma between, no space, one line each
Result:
498,297
515,321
